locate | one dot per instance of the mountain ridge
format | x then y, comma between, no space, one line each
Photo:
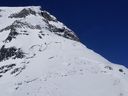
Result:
40,56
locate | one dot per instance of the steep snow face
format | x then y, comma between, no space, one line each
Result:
40,56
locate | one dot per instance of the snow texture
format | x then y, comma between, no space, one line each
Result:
40,56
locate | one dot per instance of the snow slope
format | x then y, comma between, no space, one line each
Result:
40,56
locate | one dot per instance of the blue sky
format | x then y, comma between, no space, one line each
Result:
101,25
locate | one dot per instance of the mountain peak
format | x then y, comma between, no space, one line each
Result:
20,14
40,56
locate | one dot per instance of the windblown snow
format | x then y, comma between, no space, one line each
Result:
40,56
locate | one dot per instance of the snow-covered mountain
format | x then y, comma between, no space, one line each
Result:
40,56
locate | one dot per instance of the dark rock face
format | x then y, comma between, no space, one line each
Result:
121,70
47,16
13,29
20,24
23,13
6,68
6,53
12,35
66,33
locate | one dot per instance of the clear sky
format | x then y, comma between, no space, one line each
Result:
101,25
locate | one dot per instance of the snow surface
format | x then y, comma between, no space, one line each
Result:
54,65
